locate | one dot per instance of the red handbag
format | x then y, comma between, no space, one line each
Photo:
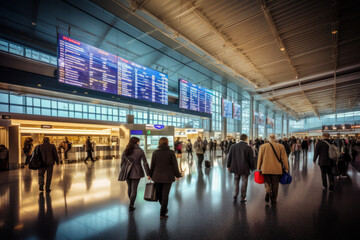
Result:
259,178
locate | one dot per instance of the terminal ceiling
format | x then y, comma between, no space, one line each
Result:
300,57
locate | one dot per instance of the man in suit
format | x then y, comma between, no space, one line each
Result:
270,166
325,163
240,161
49,156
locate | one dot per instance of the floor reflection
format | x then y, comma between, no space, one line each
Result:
87,202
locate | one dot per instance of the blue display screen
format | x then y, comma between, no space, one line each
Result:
227,108
82,65
236,111
136,132
194,97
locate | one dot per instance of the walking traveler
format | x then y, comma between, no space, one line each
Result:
271,168
297,150
4,158
205,144
66,145
49,156
163,170
285,142
199,148
239,162
89,148
211,145
189,149
215,145
135,154
178,148
305,147
27,149
325,163
222,146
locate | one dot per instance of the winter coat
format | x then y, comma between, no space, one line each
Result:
267,161
49,153
240,159
199,147
164,167
322,151
136,157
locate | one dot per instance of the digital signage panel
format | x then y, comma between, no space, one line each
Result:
227,108
194,97
236,111
83,65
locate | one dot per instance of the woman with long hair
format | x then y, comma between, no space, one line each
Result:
164,169
135,154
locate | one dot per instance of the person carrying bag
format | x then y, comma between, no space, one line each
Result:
164,169
131,169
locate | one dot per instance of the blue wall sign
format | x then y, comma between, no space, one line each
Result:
158,126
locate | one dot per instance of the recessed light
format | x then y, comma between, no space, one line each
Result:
33,23
39,85
334,32
282,49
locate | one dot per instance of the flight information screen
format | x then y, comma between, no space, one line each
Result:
194,97
236,111
227,108
83,65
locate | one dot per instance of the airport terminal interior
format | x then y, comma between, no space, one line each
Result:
217,81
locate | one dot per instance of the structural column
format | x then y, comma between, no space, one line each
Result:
265,127
14,147
282,125
251,122
256,133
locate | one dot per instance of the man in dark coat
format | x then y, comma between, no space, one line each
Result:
239,162
325,163
49,156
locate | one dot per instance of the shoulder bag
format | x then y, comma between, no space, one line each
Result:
36,161
285,178
125,169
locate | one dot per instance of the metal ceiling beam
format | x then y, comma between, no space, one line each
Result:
227,42
355,103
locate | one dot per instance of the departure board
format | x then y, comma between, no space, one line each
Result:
227,108
83,65
194,97
236,111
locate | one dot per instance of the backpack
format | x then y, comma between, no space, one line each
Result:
334,153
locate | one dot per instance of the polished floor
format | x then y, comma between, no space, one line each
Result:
87,202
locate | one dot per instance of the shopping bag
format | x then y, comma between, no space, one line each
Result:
285,178
259,178
150,192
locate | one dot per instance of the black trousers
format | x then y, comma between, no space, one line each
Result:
41,173
132,189
162,191
326,171
200,158
189,153
89,155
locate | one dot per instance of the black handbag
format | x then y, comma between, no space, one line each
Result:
125,169
36,161
150,192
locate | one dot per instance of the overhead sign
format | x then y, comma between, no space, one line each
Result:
155,126
136,132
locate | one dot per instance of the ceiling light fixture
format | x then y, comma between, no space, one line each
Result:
282,49
334,32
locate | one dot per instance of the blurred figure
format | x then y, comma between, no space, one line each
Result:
50,157
66,145
215,145
135,154
211,145
4,158
325,163
28,149
164,169
205,144
305,147
178,148
297,150
239,162
189,149
271,168
286,145
89,148
199,148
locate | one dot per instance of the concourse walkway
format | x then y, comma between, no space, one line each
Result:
87,202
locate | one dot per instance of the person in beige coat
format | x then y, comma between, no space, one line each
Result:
271,168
